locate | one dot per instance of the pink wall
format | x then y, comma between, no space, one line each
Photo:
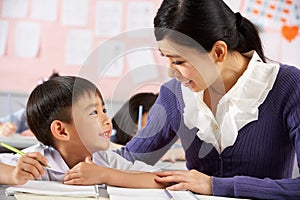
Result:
22,74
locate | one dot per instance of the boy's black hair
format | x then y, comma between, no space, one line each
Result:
53,100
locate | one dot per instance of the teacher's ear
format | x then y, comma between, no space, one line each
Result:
59,130
219,51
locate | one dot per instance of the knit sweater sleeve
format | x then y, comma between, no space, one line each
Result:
266,188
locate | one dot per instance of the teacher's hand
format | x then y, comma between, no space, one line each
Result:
186,180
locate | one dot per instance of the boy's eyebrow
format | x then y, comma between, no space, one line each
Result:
169,56
92,105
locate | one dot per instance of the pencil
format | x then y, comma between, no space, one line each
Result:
140,117
13,149
170,197
10,112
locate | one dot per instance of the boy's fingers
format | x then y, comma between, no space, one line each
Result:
38,156
30,169
32,164
88,160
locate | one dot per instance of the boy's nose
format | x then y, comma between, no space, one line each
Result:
106,120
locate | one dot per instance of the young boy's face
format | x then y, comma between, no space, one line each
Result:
92,124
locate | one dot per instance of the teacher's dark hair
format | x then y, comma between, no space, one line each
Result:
206,22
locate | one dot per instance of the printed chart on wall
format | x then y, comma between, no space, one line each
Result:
279,23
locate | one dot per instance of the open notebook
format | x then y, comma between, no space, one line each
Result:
57,189
118,193
42,190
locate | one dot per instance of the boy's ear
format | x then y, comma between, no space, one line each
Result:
59,131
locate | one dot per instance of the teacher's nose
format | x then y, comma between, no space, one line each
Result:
173,72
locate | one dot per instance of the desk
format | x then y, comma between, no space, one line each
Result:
2,193
18,141
166,165
4,197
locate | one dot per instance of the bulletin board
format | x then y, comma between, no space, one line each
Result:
279,23
39,36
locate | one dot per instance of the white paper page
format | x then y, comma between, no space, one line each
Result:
27,39
233,4
140,15
79,44
52,188
75,12
117,193
44,9
24,196
142,66
271,41
109,18
113,58
14,8
3,36
290,52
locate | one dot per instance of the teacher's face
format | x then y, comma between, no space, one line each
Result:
190,67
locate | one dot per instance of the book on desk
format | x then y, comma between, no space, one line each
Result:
42,189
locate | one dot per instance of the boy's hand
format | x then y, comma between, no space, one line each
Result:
7,129
85,173
28,168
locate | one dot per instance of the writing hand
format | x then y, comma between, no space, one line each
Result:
28,168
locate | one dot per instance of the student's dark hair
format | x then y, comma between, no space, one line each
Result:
124,121
206,21
53,100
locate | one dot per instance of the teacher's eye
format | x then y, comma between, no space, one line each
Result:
177,62
94,112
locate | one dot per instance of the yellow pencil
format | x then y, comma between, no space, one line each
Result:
20,152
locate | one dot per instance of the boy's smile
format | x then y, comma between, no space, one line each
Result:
93,126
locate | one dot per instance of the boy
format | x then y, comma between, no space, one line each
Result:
67,115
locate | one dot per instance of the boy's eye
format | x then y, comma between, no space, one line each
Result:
94,112
105,110
177,62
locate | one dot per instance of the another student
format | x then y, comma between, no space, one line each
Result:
236,113
125,121
68,116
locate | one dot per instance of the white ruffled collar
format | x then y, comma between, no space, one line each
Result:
238,107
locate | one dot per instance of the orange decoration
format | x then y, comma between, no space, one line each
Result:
259,2
272,7
287,11
283,20
255,11
270,16
289,32
289,2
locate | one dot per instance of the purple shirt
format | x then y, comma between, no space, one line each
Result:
258,165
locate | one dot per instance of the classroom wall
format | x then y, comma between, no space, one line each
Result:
39,36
